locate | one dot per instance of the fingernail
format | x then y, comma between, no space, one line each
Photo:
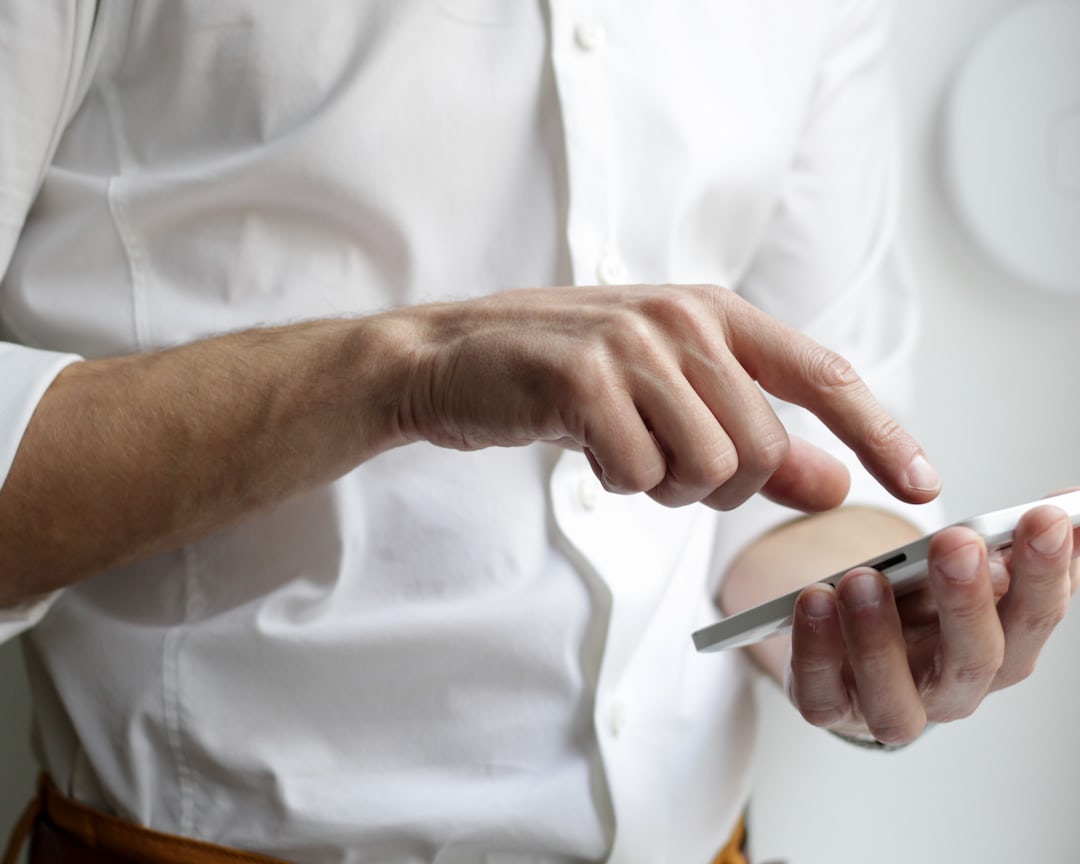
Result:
960,565
922,476
1050,541
817,604
861,589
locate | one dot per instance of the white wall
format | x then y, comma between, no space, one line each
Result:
999,412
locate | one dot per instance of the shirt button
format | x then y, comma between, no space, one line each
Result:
589,35
620,713
588,490
611,270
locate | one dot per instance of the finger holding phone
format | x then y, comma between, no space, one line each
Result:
864,664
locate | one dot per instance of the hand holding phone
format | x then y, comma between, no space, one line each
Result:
906,568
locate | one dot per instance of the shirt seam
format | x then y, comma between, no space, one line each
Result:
171,695
117,197
133,255
116,189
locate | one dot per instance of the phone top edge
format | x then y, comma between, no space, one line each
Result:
1001,521
774,617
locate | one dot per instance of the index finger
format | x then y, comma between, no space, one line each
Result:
797,369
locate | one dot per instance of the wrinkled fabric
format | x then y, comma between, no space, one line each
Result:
442,656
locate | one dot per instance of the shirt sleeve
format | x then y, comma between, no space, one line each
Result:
44,52
830,262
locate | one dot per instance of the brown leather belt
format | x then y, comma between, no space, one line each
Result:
63,831
735,851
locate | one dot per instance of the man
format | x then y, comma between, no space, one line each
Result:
362,556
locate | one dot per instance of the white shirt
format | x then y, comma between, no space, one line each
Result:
441,656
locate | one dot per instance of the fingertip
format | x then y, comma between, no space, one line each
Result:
1049,529
961,565
862,588
954,535
949,539
922,479
817,602
915,481
815,631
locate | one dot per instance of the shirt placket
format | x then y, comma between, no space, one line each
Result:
583,52
581,57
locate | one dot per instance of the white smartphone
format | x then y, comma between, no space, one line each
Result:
905,568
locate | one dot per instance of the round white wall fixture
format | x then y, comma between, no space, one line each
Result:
1012,143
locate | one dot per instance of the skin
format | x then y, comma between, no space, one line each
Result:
658,385
127,457
861,663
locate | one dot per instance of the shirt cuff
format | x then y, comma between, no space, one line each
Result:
25,375
17,619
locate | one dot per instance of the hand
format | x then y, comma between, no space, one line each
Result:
659,387
863,663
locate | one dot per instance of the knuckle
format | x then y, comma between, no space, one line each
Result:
957,709
628,335
722,302
706,471
831,370
964,611
633,476
676,311
672,301
1015,673
811,665
886,433
767,452
634,325
978,673
1041,623
670,493
720,467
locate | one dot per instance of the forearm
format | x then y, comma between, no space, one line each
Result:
798,553
128,456
660,385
